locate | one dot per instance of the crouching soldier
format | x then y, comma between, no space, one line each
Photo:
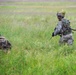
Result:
63,29
4,43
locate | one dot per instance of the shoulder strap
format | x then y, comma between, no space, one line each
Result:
65,22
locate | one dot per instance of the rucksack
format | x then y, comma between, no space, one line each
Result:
66,28
4,43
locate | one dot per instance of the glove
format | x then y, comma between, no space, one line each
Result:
53,34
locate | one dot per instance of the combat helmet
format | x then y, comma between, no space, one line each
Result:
61,13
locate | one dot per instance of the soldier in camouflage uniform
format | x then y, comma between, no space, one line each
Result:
63,29
4,43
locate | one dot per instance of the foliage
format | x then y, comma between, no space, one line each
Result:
33,52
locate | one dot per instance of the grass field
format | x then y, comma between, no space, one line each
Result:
29,26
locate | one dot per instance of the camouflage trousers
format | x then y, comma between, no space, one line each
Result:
66,39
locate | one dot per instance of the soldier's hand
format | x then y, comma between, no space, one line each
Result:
53,34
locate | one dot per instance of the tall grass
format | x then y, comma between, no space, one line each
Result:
33,52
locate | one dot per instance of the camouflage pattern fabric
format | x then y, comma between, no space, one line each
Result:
4,43
66,39
66,33
58,28
66,28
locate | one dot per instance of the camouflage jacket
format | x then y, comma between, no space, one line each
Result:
63,27
4,43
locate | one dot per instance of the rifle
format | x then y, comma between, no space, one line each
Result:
52,35
73,29
51,38
60,34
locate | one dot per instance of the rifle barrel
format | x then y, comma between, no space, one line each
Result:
73,29
51,38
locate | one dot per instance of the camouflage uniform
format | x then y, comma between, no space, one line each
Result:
66,39
65,34
4,43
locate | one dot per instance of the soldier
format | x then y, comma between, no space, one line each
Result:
4,43
63,29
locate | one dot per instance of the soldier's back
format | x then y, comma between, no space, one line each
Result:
4,43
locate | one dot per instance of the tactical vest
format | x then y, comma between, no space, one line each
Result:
4,43
66,29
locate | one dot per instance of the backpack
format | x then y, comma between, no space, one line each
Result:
4,43
66,28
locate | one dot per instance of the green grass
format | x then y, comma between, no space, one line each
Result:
33,52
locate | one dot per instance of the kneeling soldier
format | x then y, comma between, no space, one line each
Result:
63,29
4,43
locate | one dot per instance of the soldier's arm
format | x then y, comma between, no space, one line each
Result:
57,29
